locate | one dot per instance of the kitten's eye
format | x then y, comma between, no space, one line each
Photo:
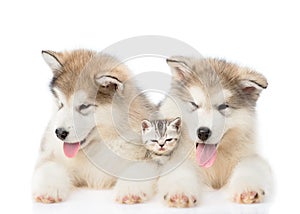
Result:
194,105
84,106
154,141
223,107
169,140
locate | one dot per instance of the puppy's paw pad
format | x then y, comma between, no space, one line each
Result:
249,197
47,199
131,199
180,200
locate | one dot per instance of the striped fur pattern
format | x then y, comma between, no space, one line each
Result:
161,137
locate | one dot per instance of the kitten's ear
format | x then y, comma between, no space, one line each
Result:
53,60
109,84
146,125
180,70
176,123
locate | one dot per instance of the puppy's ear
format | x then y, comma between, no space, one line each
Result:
176,123
145,125
109,84
180,70
53,60
252,84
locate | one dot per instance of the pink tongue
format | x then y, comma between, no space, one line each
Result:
71,149
206,154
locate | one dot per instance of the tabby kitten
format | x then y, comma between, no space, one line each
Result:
161,137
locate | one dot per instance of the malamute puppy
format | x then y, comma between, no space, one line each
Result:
217,101
93,133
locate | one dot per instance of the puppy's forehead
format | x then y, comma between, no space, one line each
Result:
80,96
220,96
198,94
79,72
73,69
76,98
212,95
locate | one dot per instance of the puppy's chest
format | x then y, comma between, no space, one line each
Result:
218,175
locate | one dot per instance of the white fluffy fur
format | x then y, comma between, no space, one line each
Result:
137,183
181,187
176,185
52,180
43,187
251,174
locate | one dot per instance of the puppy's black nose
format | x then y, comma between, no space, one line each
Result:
61,133
203,133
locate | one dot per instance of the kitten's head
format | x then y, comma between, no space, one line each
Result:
161,136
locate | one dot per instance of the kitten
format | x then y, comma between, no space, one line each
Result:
161,138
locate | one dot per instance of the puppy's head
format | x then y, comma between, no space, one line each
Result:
84,83
216,96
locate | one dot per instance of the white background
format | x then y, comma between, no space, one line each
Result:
263,35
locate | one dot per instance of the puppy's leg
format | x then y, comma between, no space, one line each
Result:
251,181
181,187
51,183
138,184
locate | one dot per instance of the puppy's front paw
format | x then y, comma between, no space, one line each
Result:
132,199
47,199
131,192
180,200
50,194
50,183
249,196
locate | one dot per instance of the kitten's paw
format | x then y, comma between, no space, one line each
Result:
249,197
180,200
132,199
